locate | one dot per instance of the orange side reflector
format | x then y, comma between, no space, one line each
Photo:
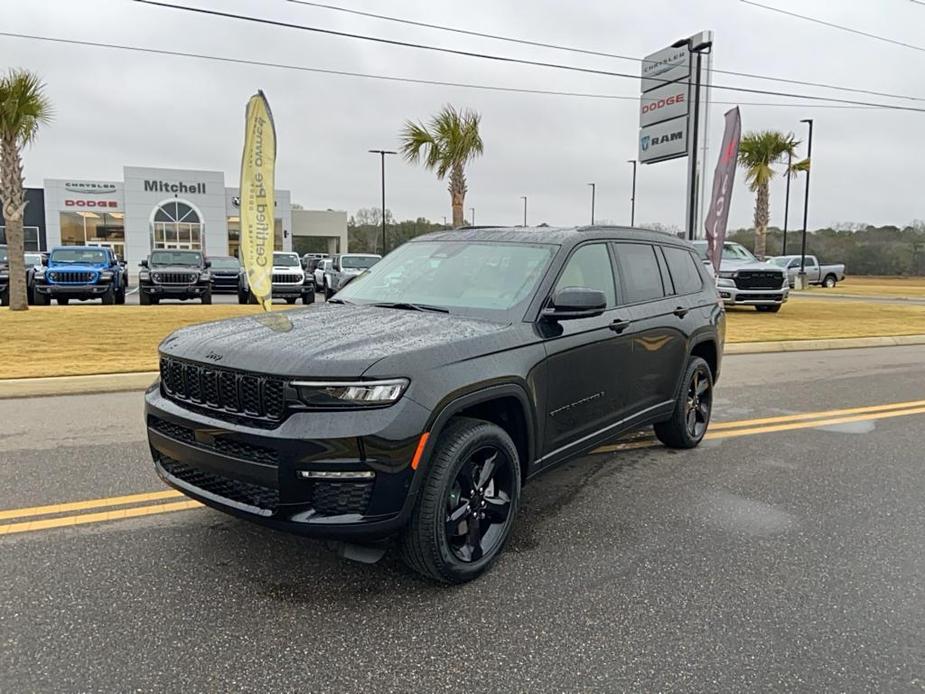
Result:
415,461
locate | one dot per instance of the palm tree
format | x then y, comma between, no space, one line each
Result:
450,142
23,108
758,153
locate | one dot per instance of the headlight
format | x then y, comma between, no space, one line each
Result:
325,394
107,275
205,276
725,282
727,274
144,275
785,281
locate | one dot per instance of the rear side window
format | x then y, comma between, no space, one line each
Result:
590,267
684,273
642,280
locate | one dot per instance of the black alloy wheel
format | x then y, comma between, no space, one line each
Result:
694,406
478,505
467,503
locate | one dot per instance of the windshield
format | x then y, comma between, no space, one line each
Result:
489,280
731,251
225,263
78,254
33,259
187,258
358,262
286,260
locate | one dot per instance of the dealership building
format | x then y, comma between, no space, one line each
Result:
153,208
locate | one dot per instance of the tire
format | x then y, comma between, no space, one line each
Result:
30,296
207,296
109,297
242,297
290,300
829,281
427,544
308,298
120,296
144,298
63,300
773,309
5,297
41,299
327,292
155,300
678,431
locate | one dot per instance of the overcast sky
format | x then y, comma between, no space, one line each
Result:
116,108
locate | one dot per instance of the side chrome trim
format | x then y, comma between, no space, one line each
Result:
594,434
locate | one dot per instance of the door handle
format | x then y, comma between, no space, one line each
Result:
680,311
619,325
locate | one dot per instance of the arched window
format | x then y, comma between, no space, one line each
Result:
176,224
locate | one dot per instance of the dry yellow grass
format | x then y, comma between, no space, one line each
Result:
805,319
53,341
912,287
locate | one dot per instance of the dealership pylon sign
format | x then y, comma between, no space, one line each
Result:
258,165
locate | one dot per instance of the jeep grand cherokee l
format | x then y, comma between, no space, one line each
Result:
438,382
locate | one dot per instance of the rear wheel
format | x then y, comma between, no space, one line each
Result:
693,408
829,281
466,508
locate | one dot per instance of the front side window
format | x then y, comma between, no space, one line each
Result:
480,279
590,267
684,272
642,280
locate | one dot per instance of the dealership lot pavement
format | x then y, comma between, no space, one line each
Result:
791,559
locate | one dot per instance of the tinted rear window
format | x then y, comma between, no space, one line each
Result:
642,280
684,271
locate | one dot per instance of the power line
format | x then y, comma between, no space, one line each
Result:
835,26
587,51
388,78
508,59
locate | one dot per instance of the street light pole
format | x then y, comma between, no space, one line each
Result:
524,198
593,193
382,153
786,204
633,196
809,158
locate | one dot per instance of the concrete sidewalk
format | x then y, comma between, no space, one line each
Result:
112,383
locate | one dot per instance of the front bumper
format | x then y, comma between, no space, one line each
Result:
225,284
733,296
254,473
280,291
73,290
174,290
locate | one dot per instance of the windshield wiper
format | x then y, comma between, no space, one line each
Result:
407,306
335,300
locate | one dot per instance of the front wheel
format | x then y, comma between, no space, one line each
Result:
466,508
207,296
41,299
5,297
829,281
108,297
692,411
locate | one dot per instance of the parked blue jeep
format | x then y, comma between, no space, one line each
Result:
81,272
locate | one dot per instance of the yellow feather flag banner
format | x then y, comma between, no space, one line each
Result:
258,198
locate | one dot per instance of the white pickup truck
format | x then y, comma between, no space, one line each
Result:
826,275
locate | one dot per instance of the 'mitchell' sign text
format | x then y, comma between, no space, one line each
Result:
165,187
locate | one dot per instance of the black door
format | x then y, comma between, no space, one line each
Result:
586,359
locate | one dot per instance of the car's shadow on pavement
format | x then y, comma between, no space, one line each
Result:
293,569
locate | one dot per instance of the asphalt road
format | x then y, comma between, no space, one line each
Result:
784,557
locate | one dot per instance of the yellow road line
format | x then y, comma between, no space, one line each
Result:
720,426
82,519
88,504
812,424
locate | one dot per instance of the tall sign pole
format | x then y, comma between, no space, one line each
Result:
787,204
809,158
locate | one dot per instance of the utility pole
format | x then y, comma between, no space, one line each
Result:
593,192
382,153
524,198
633,196
786,204
809,158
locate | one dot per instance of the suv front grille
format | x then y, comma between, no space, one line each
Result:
223,391
758,279
175,277
72,276
235,490
219,444
286,278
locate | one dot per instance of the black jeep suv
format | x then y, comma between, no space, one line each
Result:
435,384
174,275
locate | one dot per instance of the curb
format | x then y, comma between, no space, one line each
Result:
140,380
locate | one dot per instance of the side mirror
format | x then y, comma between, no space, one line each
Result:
208,263
143,263
576,302
45,260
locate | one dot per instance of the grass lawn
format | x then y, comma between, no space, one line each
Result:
73,340
912,287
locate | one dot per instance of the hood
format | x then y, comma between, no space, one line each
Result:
288,269
334,341
79,267
733,265
175,268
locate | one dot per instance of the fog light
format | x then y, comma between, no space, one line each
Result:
336,474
